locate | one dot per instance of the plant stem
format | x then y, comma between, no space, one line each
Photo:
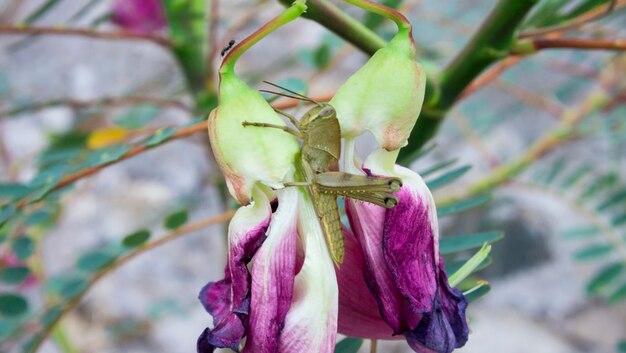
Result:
291,13
373,346
491,43
62,340
84,32
345,26
531,46
401,21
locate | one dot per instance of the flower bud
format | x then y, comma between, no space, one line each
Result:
141,16
385,96
250,154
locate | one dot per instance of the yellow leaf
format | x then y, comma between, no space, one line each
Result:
106,137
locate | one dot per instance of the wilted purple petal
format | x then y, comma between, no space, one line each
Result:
359,315
367,222
142,16
273,272
228,300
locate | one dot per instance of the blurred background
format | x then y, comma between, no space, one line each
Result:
545,138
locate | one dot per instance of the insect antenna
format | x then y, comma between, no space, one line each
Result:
295,95
287,95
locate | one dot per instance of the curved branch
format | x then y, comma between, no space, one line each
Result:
107,101
186,229
84,32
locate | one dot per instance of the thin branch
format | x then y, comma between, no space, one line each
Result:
490,44
84,32
529,46
186,229
565,131
530,98
96,103
489,75
579,21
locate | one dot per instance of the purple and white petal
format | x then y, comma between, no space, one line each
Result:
311,324
273,273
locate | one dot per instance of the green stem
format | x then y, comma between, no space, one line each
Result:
294,11
490,44
330,16
62,340
401,21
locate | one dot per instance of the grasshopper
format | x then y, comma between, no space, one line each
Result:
319,131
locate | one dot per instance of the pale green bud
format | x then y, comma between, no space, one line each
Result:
248,155
385,96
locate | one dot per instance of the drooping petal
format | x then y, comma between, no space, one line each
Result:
228,300
367,222
311,324
359,315
404,272
143,16
249,154
273,272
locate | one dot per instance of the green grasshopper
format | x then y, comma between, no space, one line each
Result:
319,131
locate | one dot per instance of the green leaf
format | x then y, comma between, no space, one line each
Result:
452,244
23,247
437,167
452,267
7,327
107,155
14,275
583,7
575,176
448,177
51,315
159,137
580,232
12,304
619,220
593,252
602,183
621,346
176,219
470,266
556,169
14,191
137,117
71,287
322,56
604,277
463,205
477,292
7,212
41,10
95,261
349,345
136,239
615,199
618,296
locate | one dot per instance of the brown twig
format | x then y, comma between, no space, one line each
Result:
578,43
108,101
581,20
491,74
186,229
530,98
84,32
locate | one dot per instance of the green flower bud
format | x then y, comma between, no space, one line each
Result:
247,155
385,96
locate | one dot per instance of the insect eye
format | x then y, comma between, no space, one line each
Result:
327,111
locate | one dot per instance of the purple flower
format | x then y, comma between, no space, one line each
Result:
287,301
142,16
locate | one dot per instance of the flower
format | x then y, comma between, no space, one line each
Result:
287,301
393,281
142,16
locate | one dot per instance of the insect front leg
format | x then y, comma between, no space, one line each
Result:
280,127
291,118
